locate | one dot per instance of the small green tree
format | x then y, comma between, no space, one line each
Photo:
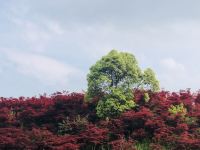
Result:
149,81
112,78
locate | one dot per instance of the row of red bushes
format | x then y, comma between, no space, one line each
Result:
65,121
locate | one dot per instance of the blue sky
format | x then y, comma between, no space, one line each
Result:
48,46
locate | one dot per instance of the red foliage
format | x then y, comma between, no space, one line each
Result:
13,138
122,144
93,136
33,123
154,146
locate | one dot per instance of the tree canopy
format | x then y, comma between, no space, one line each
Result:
118,73
117,69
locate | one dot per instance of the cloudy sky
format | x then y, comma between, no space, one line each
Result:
49,45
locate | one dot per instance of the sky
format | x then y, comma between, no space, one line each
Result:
48,46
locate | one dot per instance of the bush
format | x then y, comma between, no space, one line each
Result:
178,109
74,126
32,123
146,97
114,104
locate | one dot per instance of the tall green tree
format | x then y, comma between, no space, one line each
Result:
113,77
115,70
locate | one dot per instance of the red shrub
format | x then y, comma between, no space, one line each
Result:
154,146
122,144
13,138
33,123
93,136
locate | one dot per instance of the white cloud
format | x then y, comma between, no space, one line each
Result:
47,70
173,75
36,32
72,32
55,27
38,35
172,65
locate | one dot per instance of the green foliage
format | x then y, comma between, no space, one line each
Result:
191,120
112,78
114,104
72,126
143,145
147,145
178,109
146,97
117,69
149,80
197,130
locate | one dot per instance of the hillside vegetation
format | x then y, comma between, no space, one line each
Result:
160,120
122,109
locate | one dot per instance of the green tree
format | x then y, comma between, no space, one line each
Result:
149,81
113,77
114,103
117,69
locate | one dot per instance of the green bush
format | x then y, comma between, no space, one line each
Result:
73,126
178,109
115,103
146,97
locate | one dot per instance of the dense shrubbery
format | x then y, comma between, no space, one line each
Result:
65,122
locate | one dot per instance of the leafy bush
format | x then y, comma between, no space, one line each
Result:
32,123
146,97
74,126
178,109
114,104
122,144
